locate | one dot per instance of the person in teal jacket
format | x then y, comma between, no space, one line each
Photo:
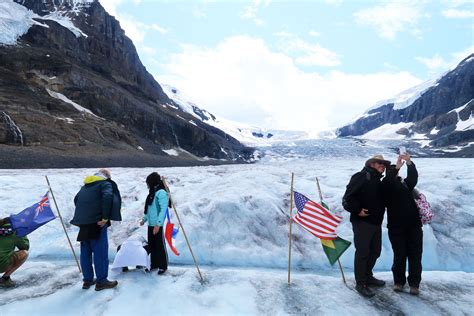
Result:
156,206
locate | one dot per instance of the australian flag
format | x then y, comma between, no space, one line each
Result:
32,217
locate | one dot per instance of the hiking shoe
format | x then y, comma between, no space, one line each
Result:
364,290
371,281
6,283
87,284
414,290
105,285
398,288
161,271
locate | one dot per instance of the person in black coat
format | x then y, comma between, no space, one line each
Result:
97,203
404,225
364,200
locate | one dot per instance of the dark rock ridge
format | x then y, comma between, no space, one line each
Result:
130,115
433,114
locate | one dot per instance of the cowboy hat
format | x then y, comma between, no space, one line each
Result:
378,158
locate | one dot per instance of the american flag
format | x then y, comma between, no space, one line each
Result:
315,218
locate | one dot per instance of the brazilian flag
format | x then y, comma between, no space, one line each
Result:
334,248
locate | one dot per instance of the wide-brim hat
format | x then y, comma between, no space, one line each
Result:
378,158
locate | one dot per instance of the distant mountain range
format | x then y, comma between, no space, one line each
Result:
246,134
74,93
438,114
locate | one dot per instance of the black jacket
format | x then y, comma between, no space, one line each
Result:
365,191
97,200
398,193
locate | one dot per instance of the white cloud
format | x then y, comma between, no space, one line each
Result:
434,63
392,18
250,11
147,50
158,28
306,53
314,33
111,6
458,14
437,64
242,79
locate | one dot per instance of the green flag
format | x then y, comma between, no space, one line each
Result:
334,248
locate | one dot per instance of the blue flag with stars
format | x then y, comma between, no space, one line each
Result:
32,217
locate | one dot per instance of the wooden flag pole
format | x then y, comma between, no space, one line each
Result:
62,222
289,236
182,228
321,200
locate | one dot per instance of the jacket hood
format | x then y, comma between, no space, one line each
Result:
92,179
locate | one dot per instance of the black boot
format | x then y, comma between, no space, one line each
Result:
105,285
364,290
87,284
371,281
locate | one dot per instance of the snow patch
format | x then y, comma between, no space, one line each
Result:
407,97
61,18
78,107
465,125
171,152
453,149
386,131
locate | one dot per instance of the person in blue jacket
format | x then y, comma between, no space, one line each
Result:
97,203
156,206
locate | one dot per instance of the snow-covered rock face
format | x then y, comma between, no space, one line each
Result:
15,20
71,62
437,114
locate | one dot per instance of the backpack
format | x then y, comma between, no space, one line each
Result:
424,208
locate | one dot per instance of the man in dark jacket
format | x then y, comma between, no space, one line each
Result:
404,225
97,203
364,200
11,259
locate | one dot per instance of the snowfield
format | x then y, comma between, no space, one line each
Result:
236,218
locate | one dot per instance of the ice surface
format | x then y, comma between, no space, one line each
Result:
47,289
236,218
238,215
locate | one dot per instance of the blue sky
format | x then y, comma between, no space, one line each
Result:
308,65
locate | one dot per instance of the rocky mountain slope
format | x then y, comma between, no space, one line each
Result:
437,114
73,92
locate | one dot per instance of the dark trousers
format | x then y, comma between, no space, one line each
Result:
368,245
98,251
157,248
407,243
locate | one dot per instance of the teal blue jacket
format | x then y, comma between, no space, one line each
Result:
155,215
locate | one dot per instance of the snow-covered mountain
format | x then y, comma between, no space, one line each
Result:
247,134
438,114
73,92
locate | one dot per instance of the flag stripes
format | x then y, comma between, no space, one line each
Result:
315,218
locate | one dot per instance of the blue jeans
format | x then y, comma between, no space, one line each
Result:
99,249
